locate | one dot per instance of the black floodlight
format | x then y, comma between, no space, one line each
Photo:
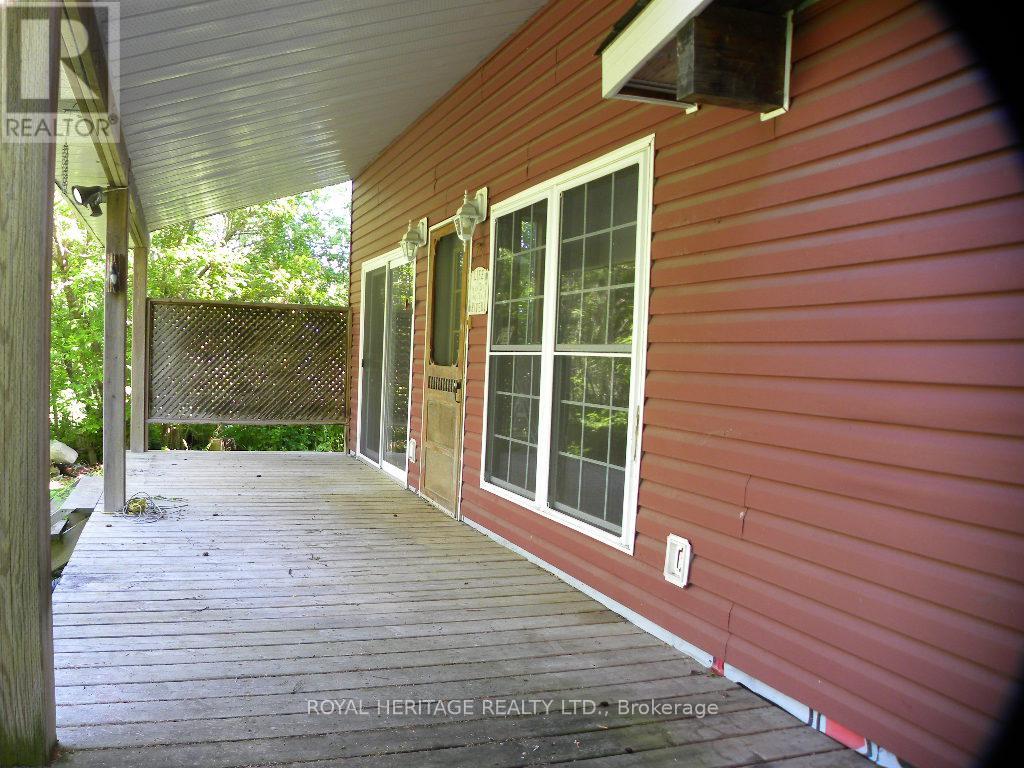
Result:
91,197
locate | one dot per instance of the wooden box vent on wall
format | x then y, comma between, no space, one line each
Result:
732,53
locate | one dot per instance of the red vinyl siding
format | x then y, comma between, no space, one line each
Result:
835,389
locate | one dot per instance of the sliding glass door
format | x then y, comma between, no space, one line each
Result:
372,363
386,359
397,363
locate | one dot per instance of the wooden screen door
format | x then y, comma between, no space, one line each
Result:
441,455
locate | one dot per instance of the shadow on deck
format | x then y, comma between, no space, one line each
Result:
298,581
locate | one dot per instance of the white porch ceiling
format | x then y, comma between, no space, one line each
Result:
226,103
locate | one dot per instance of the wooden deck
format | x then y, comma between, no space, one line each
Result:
201,639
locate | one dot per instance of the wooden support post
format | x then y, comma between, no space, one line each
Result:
27,710
115,319
140,349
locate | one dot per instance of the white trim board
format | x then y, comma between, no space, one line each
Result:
653,28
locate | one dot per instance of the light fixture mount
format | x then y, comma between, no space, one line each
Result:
470,213
89,197
414,238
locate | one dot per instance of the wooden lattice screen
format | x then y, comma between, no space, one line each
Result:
213,362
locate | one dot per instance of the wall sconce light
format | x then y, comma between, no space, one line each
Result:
414,237
90,197
470,213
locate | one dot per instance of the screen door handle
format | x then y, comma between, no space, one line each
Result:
457,390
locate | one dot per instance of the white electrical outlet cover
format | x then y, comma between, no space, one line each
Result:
677,560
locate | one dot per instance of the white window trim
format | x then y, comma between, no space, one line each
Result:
642,152
369,265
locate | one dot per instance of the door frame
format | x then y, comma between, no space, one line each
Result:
384,260
456,511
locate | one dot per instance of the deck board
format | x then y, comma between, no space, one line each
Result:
85,494
200,639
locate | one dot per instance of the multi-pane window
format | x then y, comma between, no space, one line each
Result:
597,259
518,304
561,385
515,400
516,325
588,453
596,269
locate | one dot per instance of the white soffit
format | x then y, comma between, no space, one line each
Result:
226,103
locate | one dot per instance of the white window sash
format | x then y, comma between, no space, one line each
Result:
639,152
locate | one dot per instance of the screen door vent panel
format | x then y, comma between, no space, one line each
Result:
442,384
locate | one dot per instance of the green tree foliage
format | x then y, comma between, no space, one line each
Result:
291,250
76,352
